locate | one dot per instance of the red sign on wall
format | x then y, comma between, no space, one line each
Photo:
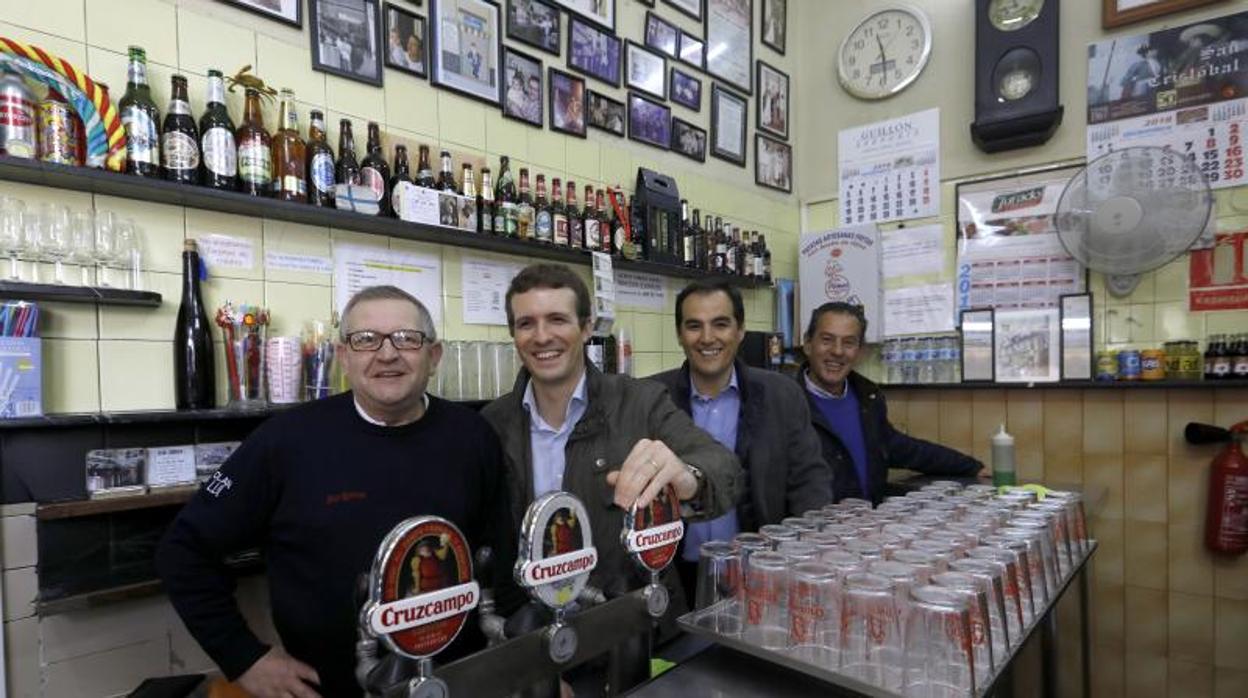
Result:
1218,278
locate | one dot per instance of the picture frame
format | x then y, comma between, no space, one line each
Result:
521,99
535,23
771,105
684,89
688,140
594,52
773,25
647,3
661,35
773,163
605,113
348,44
978,343
728,121
1026,344
1116,13
604,17
646,70
290,12
690,8
1078,357
407,41
729,38
470,66
568,103
692,51
649,121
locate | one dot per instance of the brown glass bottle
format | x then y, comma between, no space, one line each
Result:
424,171
374,172
505,222
470,192
604,222
255,154
446,178
576,226
524,208
589,219
558,215
179,138
402,173
320,177
290,155
485,203
543,219
688,246
347,170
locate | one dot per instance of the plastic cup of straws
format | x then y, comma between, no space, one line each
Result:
244,328
318,357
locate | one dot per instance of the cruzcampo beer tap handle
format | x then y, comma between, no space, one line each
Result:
651,536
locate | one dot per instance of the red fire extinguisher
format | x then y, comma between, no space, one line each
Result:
1226,520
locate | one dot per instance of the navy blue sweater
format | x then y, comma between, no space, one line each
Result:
316,489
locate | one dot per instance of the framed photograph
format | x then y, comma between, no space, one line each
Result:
606,114
693,8
567,103
1078,359
691,51
467,47
978,340
1026,345
649,122
774,24
686,90
646,70
1115,13
661,35
688,140
534,22
647,3
346,39
593,52
773,163
772,104
407,41
601,12
522,87
728,119
730,42
286,11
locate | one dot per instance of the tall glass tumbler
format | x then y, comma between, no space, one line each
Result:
977,600
871,640
719,592
1017,553
814,622
989,574
939,661
766,591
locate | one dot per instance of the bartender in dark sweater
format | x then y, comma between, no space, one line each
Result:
317,488
850,416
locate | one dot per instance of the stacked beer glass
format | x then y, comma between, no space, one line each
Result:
924,595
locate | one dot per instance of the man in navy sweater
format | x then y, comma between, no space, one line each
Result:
318,487
850,416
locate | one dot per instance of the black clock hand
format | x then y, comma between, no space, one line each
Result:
883,60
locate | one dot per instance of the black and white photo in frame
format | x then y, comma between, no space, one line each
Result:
647,70
567,103
728,121
407,41
601,12
692,8
775,24
522,87
606,114
772,102
649,122
534,22
688,140
662,35
287,11
594,51
691,51
773,163
466,41
730,42
346,39
686,90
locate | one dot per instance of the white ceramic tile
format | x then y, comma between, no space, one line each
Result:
126,322
136,375
151,24
204,43
71,381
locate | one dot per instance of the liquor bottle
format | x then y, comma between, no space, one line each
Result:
762,242
734,252
604,222
1211,353
402,173
446,179
290,154
558,214
543,221
474,202
524,208
1239,358
194,384
719,261
687,246
505,223
347,170
374,172
179,137
255,156
320,176
424,171
218,152
601,351
699,241
485,204
621,236
140,119
1222,361
576,226
589,220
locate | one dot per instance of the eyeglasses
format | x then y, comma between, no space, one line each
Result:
371,340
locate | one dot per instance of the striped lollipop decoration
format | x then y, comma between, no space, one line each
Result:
106,140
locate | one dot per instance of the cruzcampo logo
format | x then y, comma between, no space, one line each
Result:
557,550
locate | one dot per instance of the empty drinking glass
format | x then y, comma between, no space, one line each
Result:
797,551
870,643
976,597
778,533
127,255
105,244
938,656
82,242
12,239
988,574
766,587
719,592
54,238
814,627
32,231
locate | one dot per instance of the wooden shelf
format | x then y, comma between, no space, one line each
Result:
158,191
110,505
20,290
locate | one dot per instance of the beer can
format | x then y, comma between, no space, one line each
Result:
58,138
17,117
1106,366
1152,365
1129,365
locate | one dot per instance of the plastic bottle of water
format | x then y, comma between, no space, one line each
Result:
927,359
909,361
955,360
892,360
944,360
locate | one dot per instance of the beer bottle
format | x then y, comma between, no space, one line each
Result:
374,172
347,170
576,226
762,242
543,223
719,263
402,173
290,155
320,172
179,137
604,222
524,208
474,204
708,244
424,171
255,156
558,215
485,204
736,260
505,200
1222,361
687,246
589,219
218,153
194,386
446,178
1239,358
140,119
699,243
1210,354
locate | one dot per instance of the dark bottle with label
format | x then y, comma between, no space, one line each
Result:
374,172
524,208
558,214
576,226
699,242
688,247
1239,357
347,170
505,222
290,155
320,162
589,218
1211,349
543,218
424,171
602,351
402,173
604,222
194,382
485,203
255,156
218,152
446,178
1222,360
179,137
762,243
473,206
719,261
140,119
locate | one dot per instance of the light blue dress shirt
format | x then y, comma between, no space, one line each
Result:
718,417
548,445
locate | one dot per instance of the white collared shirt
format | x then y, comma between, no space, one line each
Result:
369,418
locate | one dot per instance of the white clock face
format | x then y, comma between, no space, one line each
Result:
1012,15
885,52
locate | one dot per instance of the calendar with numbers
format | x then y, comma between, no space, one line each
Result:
890,170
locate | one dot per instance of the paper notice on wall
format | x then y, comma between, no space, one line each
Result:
890,170
841,265
604,293
484,286
917,251
918,310
637,290
287,261
1219,276
227,252
359,266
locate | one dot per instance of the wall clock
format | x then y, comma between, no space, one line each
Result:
885,52
1016,73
